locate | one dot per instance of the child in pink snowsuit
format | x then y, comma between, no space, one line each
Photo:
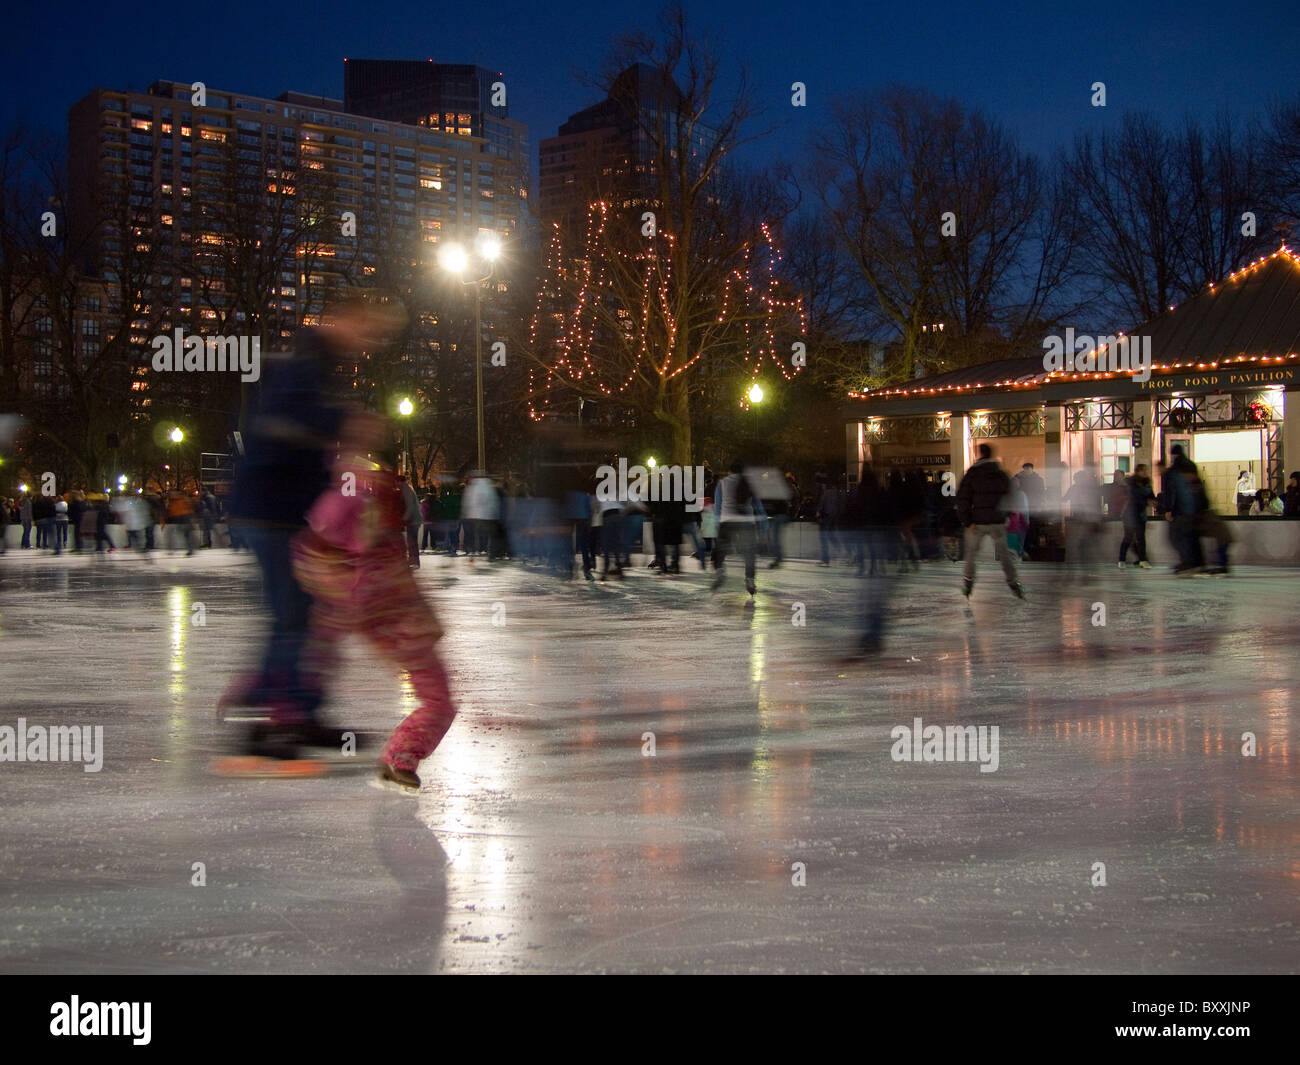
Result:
352,562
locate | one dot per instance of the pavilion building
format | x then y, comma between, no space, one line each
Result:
1224,367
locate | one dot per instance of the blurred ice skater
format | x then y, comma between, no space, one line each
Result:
286,466
353,561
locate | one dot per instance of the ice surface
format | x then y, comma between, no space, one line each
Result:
544,840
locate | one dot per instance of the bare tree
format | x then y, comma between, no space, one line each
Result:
21,207
1224,182
956,234
661,300
1280,164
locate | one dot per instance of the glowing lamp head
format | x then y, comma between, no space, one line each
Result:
122,479
756,393
651,462
406,408
454,259
489,248
176,436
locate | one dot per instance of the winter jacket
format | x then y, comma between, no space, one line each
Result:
1034,488
285,465
1186,493
736,501
411,504
1139,496
480,502
981,494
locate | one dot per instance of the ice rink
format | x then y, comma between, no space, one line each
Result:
547,838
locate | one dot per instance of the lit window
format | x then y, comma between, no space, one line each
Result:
186,131
140,123
166,219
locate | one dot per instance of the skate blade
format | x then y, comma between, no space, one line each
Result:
380,784
260,767
229,715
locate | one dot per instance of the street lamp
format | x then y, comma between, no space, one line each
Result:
176,436
406,408
455,260
756,393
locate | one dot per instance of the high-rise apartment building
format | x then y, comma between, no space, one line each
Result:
237,213
455,98
601,152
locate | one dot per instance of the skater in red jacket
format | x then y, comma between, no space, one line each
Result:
352,561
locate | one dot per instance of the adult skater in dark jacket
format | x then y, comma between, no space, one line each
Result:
1140,498
874,509
980,504
288,455
1185,497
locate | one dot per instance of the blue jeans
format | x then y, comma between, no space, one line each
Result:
611,538
877,590
282,685
45,535
584,544
776,526
692,532
735,536
830,539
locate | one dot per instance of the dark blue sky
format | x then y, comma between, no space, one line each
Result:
1029,64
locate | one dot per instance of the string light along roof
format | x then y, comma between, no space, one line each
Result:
1252,316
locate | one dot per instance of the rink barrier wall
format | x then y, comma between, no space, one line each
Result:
1258,542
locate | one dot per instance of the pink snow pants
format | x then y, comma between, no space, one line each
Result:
381,603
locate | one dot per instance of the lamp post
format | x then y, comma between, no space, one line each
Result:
406,408
754,395
455,260
176,436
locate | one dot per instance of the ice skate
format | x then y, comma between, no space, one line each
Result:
395,779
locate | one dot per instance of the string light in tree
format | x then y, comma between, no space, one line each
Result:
566,331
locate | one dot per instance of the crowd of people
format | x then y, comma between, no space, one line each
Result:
77,521
337,529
